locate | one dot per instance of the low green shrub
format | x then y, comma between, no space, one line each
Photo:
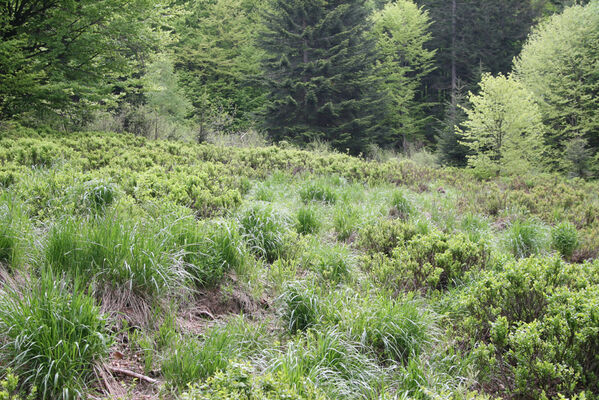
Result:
525,238
308,220
265,229
51,335
241,381
383,235
9,388
535,328
564,239
427,262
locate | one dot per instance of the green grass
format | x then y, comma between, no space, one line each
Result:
52,335
114,250
276,272
265,230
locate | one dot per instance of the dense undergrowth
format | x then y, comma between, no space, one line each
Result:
270,273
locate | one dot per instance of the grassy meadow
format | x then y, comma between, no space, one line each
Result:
134,269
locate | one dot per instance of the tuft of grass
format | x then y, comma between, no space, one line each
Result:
114,250
308,221
97,194
191,360
265,229
396,330
14,229
525,238
564,239
301,306
346,220
401,205
333,263
336,364
52,335
209,250
318,190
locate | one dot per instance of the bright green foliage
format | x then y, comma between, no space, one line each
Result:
240,381
319,73
564,239
52,335
504,128
9,388
165,101
537,321
384,235
558,65
65,58
401,31
265,230
428,262
218,61
525,238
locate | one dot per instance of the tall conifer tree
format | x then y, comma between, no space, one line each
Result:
319,71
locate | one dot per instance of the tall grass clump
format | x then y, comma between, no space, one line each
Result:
346,220
333,263
335,363
192,360
52,334
265,229
318,190
564,239
97,195
525,238
401,206
396,330
307,220
114,251
209,250
14,228
301,306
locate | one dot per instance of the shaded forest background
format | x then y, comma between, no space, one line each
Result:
360,76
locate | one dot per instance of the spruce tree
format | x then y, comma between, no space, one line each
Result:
319,71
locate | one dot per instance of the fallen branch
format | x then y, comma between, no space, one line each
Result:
127,372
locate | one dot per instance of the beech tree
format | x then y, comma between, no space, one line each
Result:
560,65
503,128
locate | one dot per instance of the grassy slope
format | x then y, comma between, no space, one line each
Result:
352,279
